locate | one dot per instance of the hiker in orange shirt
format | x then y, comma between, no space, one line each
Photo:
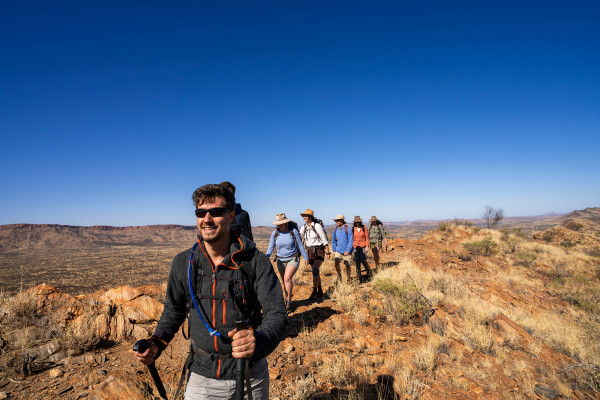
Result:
361,245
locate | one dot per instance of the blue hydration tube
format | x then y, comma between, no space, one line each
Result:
213,332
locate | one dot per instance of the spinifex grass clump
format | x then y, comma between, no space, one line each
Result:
485,247
524,259
403,302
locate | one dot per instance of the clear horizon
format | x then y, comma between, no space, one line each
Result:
113,113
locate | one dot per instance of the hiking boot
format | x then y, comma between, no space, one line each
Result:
314,294
289,307
320,295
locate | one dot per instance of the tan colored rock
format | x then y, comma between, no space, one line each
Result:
55,373
120,295
143,309
117,386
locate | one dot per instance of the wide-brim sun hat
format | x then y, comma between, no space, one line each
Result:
357,219
373,219
338,217
281,219
308,212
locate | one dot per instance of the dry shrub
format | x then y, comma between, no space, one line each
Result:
478,315
22,307
523,259
345,296
338,371
447,285
406,383
558,331
301,388
81,336
319,338
424,357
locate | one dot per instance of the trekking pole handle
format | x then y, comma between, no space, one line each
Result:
240,366
141,346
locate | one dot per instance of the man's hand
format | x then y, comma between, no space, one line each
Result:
346,253
149,355
305,262
244,343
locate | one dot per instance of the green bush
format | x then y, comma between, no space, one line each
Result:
574,226
523,259
444,226
463,222
568,243
485,247
403,302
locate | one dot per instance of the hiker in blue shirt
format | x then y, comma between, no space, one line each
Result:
341,245
289,248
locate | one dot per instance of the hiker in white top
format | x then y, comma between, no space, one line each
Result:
315,240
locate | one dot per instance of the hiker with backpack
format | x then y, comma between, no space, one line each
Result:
237,316
241,224
341,245
289,249
376,238
315,239
361,244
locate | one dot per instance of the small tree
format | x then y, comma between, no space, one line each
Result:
492,216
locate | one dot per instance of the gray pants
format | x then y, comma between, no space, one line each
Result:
201,388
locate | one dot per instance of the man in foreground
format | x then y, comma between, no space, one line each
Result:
232,283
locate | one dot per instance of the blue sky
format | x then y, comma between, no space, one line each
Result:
112,113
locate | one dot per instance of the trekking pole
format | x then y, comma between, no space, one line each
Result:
240,369
141,346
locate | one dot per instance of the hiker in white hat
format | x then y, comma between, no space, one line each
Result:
315,239
341,245
289,248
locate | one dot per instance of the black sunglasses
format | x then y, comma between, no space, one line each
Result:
214,212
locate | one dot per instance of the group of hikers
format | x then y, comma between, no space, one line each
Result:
228,289
310,242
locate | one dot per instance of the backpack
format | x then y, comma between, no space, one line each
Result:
379,224
315,221
236,225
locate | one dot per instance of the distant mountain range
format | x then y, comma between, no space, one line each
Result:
24,237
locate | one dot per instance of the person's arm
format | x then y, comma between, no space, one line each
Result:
350,241
270,296
174,311
271,244
299,244
333,241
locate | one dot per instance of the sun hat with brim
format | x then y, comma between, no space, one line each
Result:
308,212
357,219
373,219
338,217
281,219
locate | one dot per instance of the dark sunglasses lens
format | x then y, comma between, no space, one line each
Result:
214,212
217,212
